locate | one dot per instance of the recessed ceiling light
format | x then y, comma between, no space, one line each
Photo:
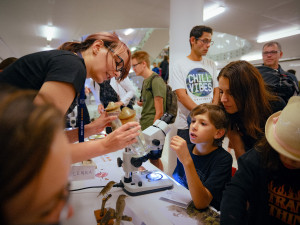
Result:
278,34
212,11
252,56
128,31
133,49
49,32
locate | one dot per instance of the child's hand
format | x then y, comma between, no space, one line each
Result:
179,145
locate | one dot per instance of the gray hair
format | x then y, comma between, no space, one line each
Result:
271,43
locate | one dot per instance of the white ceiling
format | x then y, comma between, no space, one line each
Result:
21,21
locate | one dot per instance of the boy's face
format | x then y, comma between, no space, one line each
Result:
202,130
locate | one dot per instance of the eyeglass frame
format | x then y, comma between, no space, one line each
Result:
271,52
133,66
205,42
121,70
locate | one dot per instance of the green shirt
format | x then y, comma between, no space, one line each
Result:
158,89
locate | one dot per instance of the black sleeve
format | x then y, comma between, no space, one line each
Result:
219,177
277,105
238,191
67,68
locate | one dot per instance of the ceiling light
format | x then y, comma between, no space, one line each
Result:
212,11
252,56
49,33
133,49
128,31
278,34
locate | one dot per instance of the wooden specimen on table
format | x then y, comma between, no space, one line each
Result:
108,218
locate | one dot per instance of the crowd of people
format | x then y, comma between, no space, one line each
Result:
256,108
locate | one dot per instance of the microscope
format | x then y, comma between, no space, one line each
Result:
150,144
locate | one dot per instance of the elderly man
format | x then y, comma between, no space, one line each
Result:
280,82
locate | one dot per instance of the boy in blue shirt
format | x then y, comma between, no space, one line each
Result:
204,167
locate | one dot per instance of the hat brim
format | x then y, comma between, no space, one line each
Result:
269,131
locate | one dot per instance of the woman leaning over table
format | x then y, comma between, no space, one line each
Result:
60,74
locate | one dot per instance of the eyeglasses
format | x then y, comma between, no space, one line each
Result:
205,41
119,61
134,65
271,52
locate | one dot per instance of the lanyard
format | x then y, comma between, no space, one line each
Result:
80,112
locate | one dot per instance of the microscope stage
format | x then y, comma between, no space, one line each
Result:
147,182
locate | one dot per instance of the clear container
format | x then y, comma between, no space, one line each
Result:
139,148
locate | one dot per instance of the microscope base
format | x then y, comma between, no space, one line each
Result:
141,184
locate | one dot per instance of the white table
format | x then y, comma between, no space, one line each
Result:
144,209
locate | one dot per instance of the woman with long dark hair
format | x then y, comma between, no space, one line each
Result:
248,103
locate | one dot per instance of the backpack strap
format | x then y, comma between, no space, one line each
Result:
151,81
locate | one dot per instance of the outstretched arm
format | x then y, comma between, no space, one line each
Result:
120,138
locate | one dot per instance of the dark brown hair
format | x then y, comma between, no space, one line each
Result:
197,31
250,95
6,62
270,158
216,115
26,133
110,40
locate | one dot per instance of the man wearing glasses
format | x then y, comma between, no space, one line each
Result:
280,82
194,78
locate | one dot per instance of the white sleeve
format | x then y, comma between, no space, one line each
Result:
215,76
176,80
95,89
128,87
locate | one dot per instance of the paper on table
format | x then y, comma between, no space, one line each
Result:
182,199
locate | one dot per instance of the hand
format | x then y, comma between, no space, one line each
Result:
100,108
119,103
139,103
101,122
236,142
179,145
87,91
123,136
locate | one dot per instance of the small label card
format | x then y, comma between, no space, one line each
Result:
80,172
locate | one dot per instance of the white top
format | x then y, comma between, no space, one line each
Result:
124,89
95,89
199,78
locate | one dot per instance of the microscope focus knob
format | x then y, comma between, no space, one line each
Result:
119,162
155,142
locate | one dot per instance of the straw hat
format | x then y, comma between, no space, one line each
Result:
283,130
